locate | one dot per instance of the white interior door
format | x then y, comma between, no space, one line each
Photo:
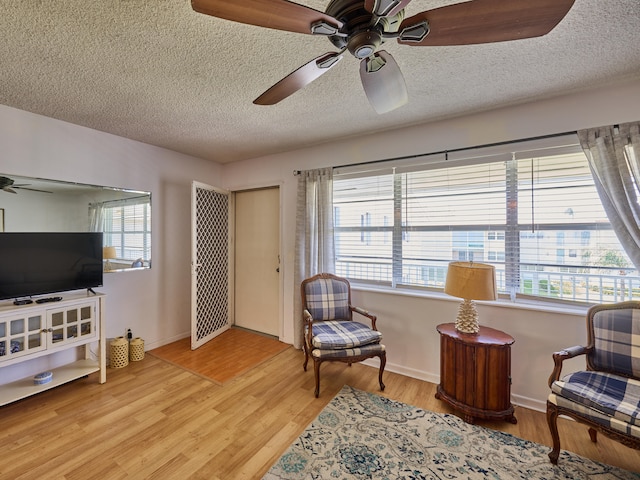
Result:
257,260
210,263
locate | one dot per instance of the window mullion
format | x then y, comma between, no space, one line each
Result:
396,261
512,232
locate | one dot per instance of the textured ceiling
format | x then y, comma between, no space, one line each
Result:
158,72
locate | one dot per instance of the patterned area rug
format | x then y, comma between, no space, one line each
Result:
360,435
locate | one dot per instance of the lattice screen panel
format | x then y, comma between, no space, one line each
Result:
212,277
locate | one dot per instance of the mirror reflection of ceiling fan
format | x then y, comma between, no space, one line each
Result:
363,26
8,185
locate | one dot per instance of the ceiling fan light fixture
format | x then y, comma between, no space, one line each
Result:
415,33
364,44
383,82
374,63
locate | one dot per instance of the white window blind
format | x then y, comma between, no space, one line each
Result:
531,210
364,209
127,226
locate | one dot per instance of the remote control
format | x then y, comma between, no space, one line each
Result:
48,299
25,301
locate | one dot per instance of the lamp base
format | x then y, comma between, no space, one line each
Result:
467,320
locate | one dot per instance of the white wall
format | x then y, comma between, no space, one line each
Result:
42,212
408,321
154,303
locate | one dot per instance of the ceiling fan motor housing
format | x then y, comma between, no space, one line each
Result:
364,33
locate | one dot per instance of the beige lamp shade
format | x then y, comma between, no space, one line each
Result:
108,252
470,281
474,281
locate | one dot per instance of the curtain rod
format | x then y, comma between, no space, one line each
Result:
453,150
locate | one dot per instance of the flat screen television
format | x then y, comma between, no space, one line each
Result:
49,262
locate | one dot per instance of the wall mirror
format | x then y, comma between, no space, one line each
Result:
41,205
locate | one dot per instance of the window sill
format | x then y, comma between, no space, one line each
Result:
532,305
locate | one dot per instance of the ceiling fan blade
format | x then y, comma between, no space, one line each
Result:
31,189
383,82
384,8
276,14
485,21
302,77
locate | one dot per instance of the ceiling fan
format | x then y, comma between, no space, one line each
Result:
362,27
8,185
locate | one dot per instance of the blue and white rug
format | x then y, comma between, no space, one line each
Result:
360,435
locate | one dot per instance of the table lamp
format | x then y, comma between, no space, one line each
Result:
107,254
470,281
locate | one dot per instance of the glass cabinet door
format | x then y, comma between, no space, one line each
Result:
72,324
21,335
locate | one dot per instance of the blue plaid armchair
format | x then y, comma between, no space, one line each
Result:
605,396
330,333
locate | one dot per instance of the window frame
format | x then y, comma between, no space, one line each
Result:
512,229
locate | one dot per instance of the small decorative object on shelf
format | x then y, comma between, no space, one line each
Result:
42,378
470,281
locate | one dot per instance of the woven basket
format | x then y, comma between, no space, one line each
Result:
136,349
119,353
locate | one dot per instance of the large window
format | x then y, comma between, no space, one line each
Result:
533,214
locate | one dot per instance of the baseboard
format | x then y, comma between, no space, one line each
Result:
519,400
408,372
530,403
166,341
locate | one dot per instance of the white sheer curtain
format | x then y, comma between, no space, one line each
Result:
96,216
614,154
314,251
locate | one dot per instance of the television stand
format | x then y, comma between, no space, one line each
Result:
31,331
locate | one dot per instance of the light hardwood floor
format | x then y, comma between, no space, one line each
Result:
155,420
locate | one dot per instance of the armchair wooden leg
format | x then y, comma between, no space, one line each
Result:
306,356
552,420
593,434
383,362
316,371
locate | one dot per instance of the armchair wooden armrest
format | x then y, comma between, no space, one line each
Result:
308,320
561,356
365,313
